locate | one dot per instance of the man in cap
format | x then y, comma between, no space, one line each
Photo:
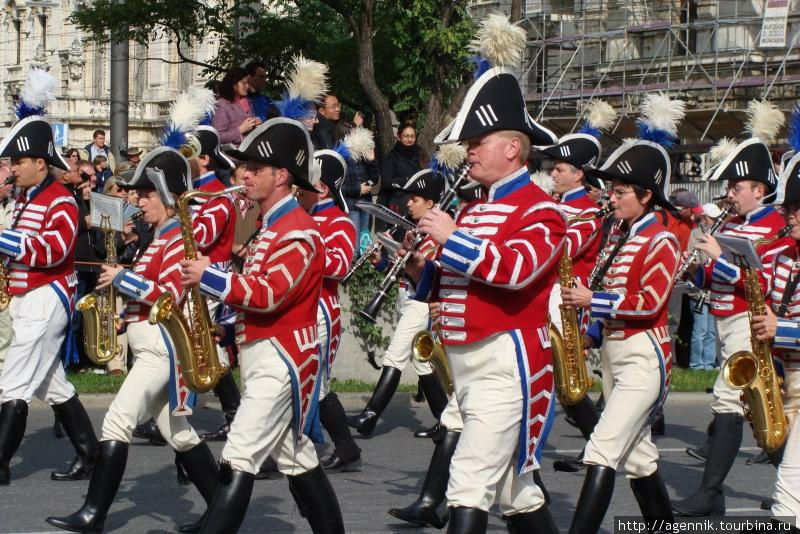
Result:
134,155
685,220
277,296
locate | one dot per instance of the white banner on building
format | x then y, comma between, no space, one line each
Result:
773,29
533,6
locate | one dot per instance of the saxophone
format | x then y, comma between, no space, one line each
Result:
5,296
753,372
426,347
192,335
571,378
100,314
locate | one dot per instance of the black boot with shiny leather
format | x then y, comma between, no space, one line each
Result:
78,426
103,486
13,417
437,400
537,522
317,502
467,521
653,499
149,431
387,384
425,510
346,454
229,506
229,400
598,486
203,470
709,499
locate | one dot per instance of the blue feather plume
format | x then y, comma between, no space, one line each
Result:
480,65
23,110
206,120
173,137
437,166
341,149
662,137
294,107
590,130
794,129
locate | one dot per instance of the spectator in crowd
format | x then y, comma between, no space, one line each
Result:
72,155
260,103
330,112
98,146
402,162
101,171
247,218
361,177
682,223
6,218
233,117
703,352
134,155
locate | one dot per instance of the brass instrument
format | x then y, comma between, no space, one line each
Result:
5,295
753,372
426,347
374,247
193,338
99,309
571,372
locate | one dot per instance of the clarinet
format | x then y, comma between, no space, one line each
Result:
696,253
370,312
377,246
604,264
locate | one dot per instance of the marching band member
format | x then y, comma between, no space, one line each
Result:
39,248
496,266
148,388
751,186
631,326
330,213
424,189
277,296
570,155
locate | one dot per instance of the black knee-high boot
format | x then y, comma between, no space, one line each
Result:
229,506
539,522
229,400
13,418
365,422
585,416
467,521
106,477
437,400
346,454
317,502
202,469
653,499
425,510
78,426
598,486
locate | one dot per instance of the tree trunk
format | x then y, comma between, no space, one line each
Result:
437,118
516,10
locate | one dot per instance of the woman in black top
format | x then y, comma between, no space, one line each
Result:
402,162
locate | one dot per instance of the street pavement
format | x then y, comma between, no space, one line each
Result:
150,500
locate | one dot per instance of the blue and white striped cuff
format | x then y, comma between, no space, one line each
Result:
425,283
215,283
725,272
461,250
787,335
604,305
11,243
131,284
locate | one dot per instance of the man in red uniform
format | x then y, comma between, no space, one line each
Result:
277,296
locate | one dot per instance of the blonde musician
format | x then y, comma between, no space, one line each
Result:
630,324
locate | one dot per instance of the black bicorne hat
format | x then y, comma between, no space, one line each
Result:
493,103
32,137
332,171
209,146
788,190
163,169
751,160
427,184
283,143
471,191
579,150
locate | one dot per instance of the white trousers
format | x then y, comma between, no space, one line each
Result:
264,425
734,335
631,385
145,393
413,318
120,362
451,416
324,374
787,488
32,366
5,335
489,398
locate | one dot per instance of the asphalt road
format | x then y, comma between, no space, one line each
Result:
151,501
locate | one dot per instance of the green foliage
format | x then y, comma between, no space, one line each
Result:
361,288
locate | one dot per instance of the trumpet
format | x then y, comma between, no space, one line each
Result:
370,312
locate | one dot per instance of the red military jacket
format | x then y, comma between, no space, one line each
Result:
786,267
583,237
156,272
277,294
214,221
726,279
41,244
638,284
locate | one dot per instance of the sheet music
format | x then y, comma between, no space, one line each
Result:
108,206
739,251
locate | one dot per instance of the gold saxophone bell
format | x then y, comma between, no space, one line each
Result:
427,348
192,148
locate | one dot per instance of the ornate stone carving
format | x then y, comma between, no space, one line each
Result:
76,62
40,58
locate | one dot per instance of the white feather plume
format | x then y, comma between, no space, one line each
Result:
359,142
499,41
543,180
308,79
451,155
316,171
661,113
191,107
764,120
721,150
600,114
39,89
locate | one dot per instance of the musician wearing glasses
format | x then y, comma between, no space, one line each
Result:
495,269
751,188
276,297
